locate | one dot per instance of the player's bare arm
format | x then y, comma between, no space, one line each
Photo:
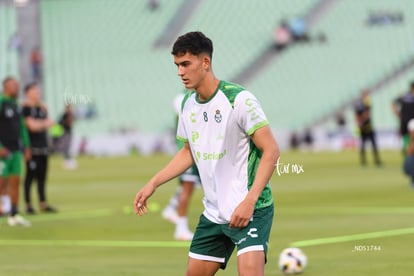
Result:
38,125
396,110
3,152
179,164
265,142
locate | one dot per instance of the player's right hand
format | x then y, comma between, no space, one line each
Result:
3,152
140,202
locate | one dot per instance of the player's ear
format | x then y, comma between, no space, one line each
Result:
206,62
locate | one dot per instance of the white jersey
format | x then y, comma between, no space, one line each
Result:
218,132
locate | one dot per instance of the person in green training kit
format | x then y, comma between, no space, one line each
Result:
226,134
13,136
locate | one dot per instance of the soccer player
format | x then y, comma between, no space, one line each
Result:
403,108
177,208
409,151
13,134
366,129
226,133
37,122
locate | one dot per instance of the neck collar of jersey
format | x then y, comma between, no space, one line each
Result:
209,99
4,96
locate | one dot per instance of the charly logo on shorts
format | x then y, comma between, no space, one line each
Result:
218,116
251,233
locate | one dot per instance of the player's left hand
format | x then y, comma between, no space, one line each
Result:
27,154
242,214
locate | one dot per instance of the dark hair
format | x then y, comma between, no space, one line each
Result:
7,79
29,86
412,85
194,43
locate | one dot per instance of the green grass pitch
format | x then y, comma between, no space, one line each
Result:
96,233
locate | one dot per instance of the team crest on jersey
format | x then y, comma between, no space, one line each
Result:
218,116
9,112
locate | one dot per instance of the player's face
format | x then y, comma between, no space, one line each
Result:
34,94
191,69
11,88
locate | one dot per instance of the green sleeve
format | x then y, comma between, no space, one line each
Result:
24,134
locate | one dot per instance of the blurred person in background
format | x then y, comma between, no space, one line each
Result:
37,122
366,129
65,141
294,141
177,208
282,36
409,153
153,4
298,29
13,139
15,43
308,140
36,64
403,108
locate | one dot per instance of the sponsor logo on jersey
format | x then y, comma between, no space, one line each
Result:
194,136
192,117
210,155
252,110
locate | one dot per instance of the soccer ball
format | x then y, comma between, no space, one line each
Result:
292,261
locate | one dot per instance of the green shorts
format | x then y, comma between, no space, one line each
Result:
405,142
11,165
216,242
190,175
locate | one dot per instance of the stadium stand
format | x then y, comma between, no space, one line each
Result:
105,52
143,75
8,57
316,79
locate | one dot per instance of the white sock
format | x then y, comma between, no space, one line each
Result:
5,204
182,224
173,204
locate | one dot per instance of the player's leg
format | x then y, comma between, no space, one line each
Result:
210,249
252,242
251,263
14,183
41,185
69,162
28,179
187,188
202,268
182,231
362,153
409,168
170,211
375,149
5,204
